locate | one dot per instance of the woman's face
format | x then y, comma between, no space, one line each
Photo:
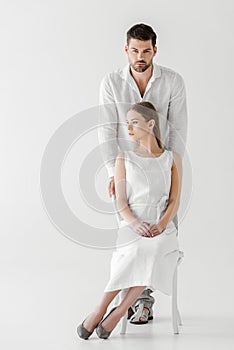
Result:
138,127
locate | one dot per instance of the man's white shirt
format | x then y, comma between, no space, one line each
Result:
119,91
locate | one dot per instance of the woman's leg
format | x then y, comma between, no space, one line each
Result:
131,296
100,310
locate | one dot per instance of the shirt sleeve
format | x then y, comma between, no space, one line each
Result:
107,125
177,116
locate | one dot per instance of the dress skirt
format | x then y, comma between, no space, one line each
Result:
143,261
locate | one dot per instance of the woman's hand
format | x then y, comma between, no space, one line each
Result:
141,228
156,229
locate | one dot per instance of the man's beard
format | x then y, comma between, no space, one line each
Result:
140,69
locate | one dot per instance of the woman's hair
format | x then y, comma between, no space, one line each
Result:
142,32
148,111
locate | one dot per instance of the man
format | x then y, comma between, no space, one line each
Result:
141,80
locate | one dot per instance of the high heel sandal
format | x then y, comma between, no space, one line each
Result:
101,332
141,313
83,332
130,312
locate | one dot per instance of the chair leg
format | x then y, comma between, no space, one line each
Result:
175,312
181,255
124,324
179,318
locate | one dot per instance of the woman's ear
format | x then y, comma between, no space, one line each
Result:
151,123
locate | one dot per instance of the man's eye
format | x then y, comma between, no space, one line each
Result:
135,122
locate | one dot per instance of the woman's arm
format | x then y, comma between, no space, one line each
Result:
139,227
120,190
175,191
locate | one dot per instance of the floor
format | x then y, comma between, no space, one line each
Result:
200,333
196,332
41,310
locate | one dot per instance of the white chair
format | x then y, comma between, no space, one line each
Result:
176,319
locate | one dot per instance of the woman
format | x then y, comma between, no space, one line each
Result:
147,186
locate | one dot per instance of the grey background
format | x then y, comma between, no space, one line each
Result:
53,56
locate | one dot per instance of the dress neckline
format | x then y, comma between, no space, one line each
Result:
149,157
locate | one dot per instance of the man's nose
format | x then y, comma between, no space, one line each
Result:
129,126
140,56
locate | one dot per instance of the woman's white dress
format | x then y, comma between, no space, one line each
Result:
137,260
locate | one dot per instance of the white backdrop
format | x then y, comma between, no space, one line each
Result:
53,56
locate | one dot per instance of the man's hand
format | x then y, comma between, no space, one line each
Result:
111,187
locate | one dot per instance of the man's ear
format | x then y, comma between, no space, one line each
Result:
155,50
126,48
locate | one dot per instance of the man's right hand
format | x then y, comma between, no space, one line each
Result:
111,187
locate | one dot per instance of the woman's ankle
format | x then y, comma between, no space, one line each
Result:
100,311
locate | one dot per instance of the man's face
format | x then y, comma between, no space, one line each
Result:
140,54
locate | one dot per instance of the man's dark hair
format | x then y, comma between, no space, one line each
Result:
141,32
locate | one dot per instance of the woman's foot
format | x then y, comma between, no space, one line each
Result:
141,316
112,320
105,327
86,328
145,315
92,321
